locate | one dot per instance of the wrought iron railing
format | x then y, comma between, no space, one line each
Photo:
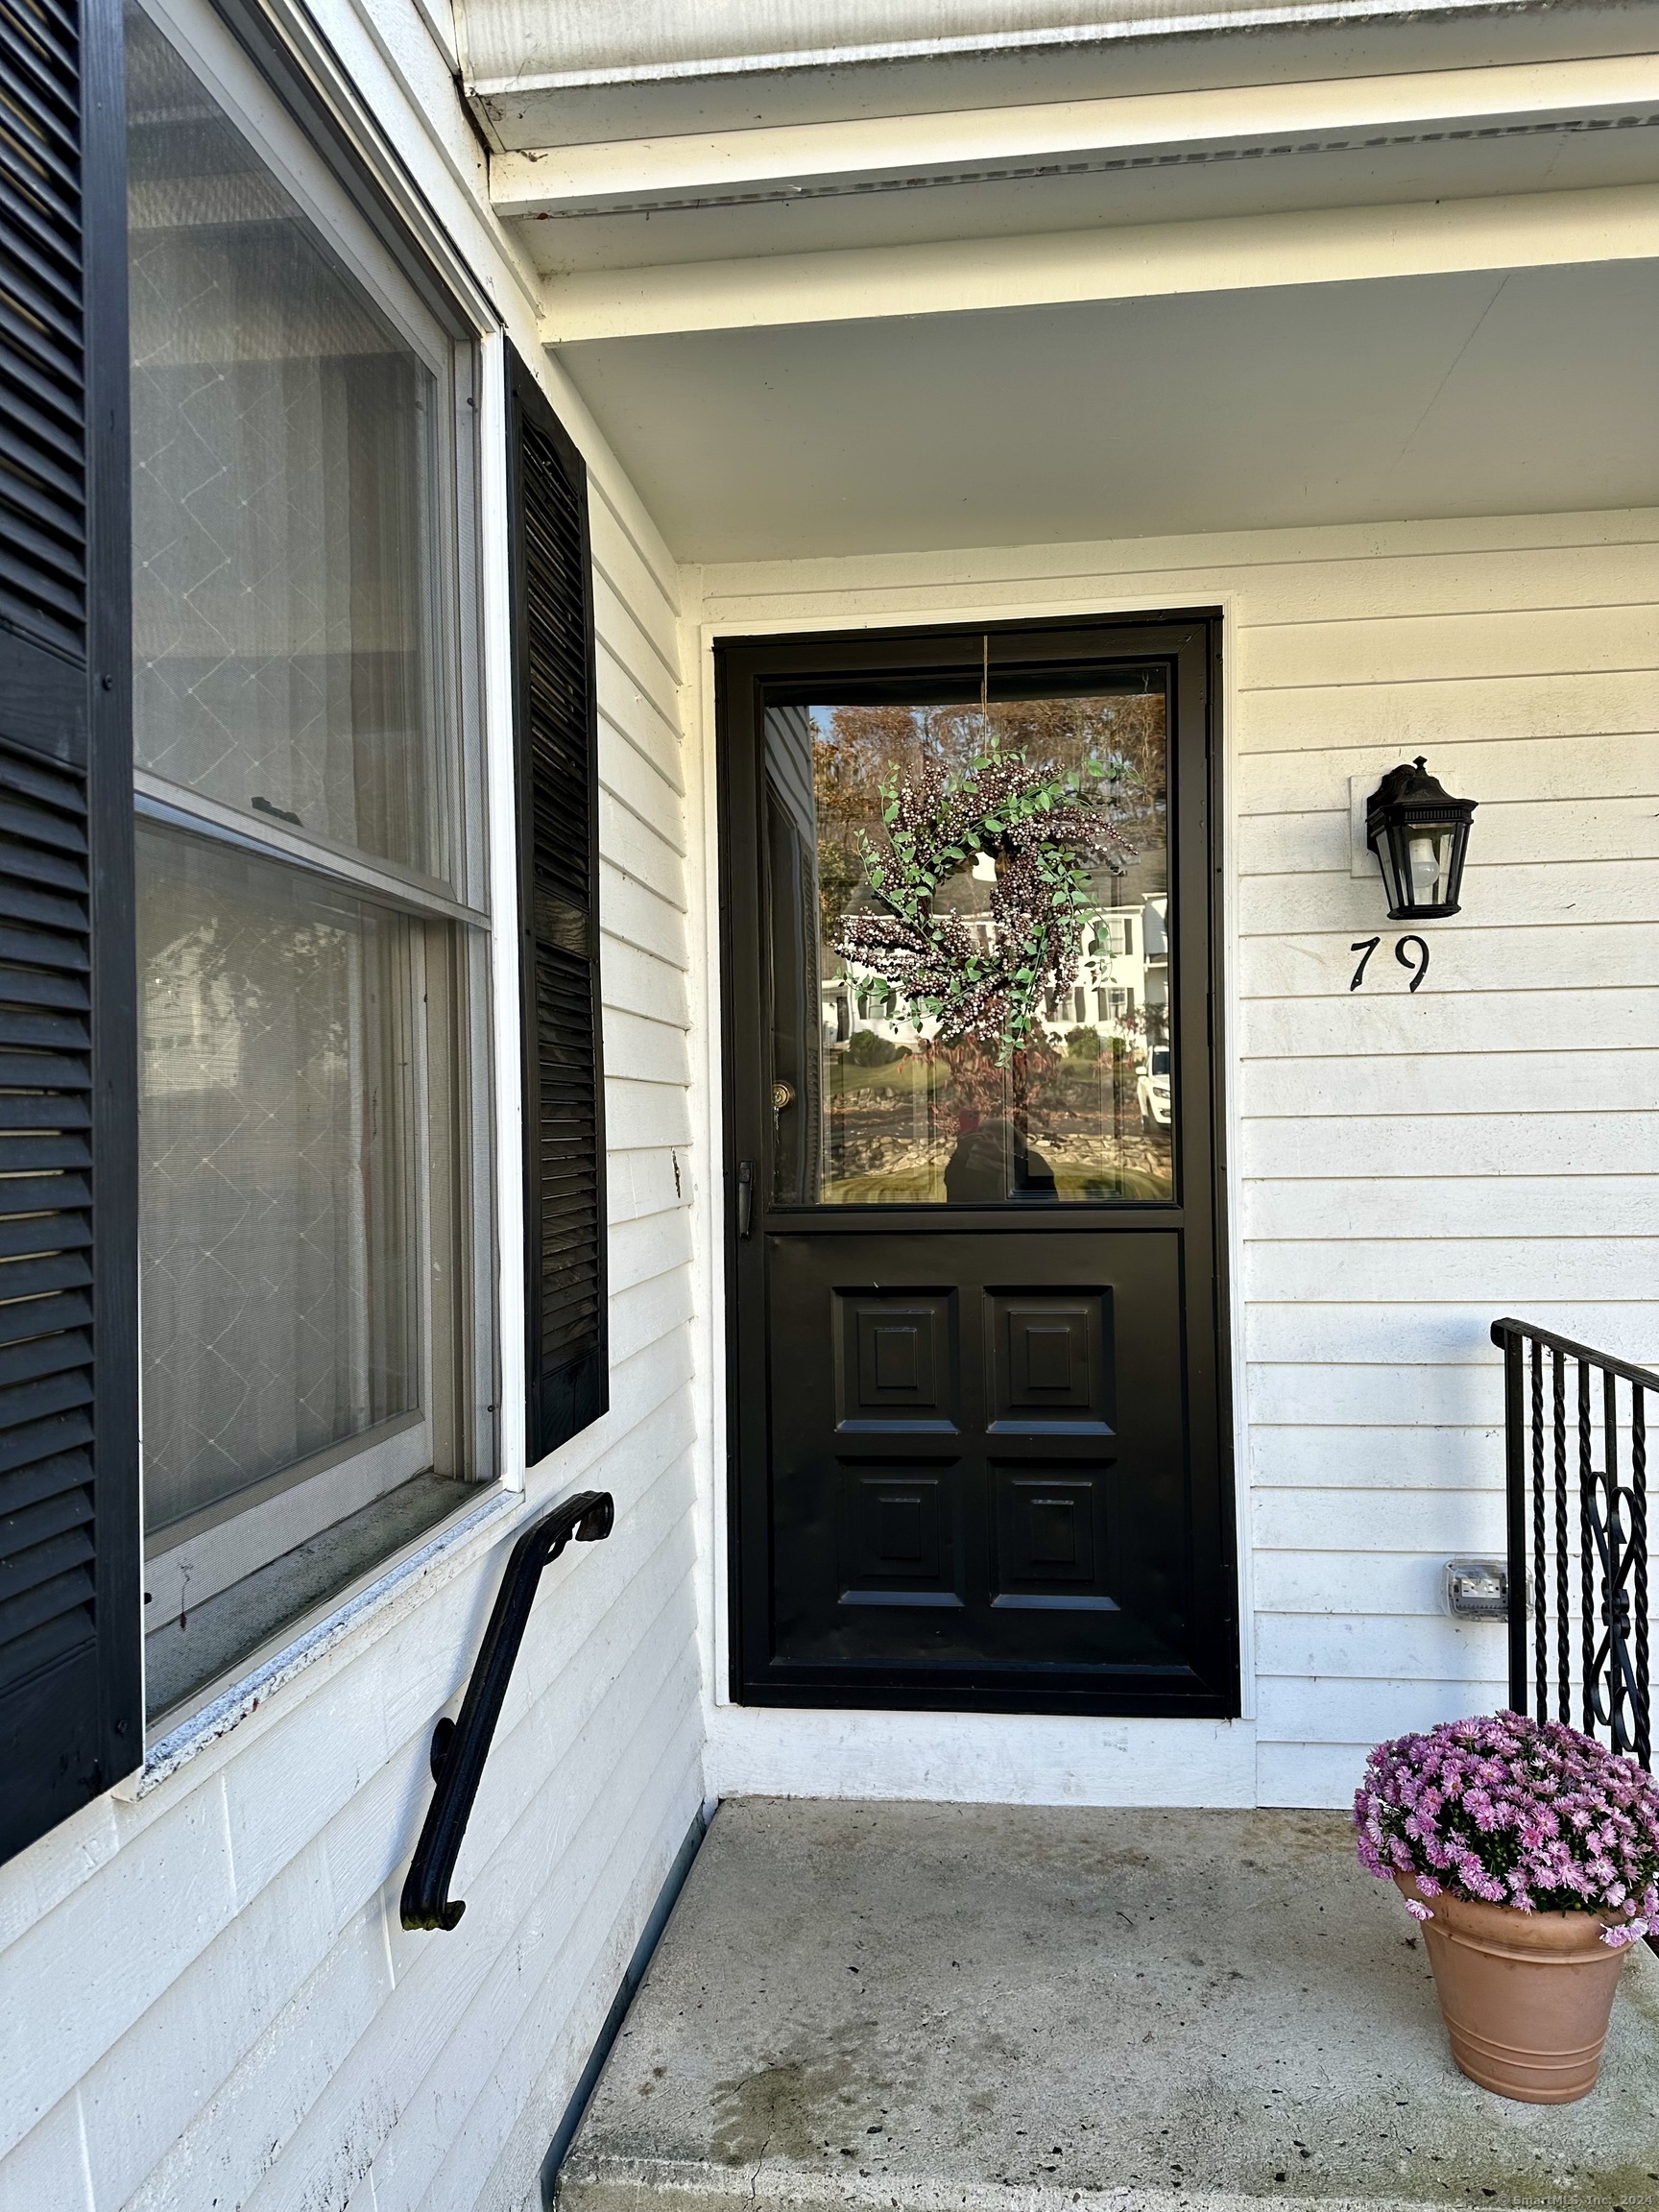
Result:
461,1747
1575,1428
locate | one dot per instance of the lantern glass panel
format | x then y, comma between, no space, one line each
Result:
1429,864
1388,851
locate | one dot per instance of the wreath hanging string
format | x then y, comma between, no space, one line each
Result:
1045,831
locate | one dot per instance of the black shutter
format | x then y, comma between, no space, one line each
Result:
559,922
71,1713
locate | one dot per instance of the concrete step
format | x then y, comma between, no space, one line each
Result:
956,2008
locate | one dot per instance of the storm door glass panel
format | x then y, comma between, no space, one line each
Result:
286,453
277,1180
970,956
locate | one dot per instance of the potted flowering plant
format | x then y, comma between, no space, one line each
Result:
1530,1854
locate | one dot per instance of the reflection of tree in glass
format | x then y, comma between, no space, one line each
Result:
1041,839
202,993
857,744
958,1087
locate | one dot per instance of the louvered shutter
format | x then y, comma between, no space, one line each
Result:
71,1718
559,913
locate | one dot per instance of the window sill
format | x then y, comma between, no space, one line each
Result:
206,1645
195,1561
401,1584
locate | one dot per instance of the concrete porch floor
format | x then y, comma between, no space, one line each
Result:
939,2008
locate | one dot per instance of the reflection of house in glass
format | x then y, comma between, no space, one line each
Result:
192,1036
1120,988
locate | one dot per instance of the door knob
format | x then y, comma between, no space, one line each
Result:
782,1095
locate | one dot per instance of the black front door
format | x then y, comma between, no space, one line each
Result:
979,1416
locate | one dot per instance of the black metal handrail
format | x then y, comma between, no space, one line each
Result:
1578,1536
461,1747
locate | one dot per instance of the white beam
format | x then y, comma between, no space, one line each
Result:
556,179
1323,246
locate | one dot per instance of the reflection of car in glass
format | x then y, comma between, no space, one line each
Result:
1152,1090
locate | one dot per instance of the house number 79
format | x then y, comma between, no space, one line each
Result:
1418,960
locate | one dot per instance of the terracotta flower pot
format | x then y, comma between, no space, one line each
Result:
1526,1996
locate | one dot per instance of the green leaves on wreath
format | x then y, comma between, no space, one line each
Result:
1043,831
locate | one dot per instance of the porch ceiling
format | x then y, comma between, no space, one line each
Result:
1488,392
1123,279
650,199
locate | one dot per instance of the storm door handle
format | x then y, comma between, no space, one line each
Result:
745,1196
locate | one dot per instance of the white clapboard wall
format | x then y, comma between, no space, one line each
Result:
209,1999
1406,1167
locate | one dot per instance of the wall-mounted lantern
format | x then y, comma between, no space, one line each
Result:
1419,833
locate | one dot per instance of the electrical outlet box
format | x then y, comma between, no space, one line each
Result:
1478,1589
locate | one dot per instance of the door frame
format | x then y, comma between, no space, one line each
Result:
1170,632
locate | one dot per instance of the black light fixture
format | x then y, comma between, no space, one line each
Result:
1419,833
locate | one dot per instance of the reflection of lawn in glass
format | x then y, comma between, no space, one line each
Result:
925,1186
909,1185
1100,1164
910,1075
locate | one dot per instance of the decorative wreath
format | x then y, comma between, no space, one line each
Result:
1045,831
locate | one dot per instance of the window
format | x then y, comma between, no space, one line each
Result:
311,920
1114,938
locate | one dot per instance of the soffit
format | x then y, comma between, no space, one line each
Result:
1102,288
1487,393
1178,130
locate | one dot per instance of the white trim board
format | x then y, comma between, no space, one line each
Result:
1136,261
980,1758
559,178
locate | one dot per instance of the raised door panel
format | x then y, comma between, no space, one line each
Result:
982,1475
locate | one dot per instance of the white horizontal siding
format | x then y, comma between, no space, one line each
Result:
1493,1143
1487,1144
1510,959
1405,1166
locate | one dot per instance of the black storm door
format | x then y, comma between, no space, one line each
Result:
979,1431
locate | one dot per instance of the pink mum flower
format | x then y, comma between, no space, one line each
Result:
1510,1810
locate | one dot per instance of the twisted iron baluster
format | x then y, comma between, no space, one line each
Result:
1563,1645
1639,1544
1586,1565
1541,1608
1617,1609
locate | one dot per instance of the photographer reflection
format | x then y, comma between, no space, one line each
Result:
994,1162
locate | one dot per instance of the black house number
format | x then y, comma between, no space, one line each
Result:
1417,961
